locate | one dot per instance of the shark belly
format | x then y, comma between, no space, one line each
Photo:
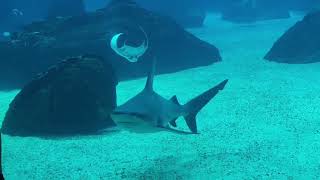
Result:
135,124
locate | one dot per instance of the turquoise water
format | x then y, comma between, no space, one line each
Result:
264,125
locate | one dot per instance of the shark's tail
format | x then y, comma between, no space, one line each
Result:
196,104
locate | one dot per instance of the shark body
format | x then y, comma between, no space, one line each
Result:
150,112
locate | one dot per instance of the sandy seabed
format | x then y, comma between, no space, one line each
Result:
264,125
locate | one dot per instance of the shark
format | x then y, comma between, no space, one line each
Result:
149,112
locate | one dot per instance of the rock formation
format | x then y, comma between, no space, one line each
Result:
300,44
43,44
73,97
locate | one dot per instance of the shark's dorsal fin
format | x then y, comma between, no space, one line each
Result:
149,84
174,99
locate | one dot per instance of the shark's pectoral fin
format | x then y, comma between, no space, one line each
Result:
174,99
173,122
191,122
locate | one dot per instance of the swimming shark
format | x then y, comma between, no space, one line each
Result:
150,112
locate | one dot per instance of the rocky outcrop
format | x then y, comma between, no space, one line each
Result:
300,44
73,97
43,44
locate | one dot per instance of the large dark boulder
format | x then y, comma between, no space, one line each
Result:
246,11
300,44
44,43
73,97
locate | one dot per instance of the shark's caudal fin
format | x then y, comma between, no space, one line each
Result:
196,104
149,83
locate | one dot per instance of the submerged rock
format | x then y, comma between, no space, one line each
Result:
74,97
42,44
300,44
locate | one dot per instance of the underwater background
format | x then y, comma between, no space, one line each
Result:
264,124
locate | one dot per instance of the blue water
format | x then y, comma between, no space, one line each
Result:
264,125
